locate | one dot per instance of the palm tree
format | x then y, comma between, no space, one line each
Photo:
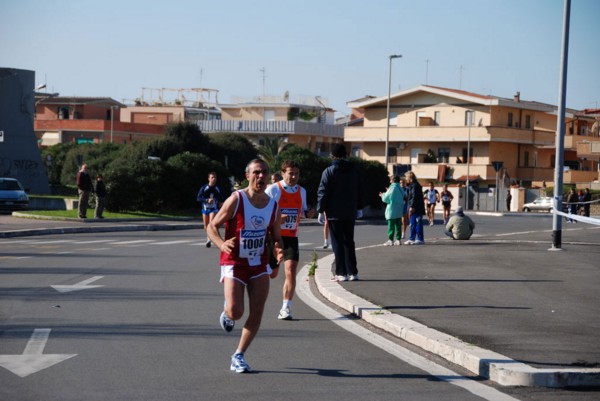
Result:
271,149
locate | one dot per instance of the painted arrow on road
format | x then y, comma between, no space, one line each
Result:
33,360
79,286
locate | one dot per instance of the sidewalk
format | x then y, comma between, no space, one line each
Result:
507,309
537,310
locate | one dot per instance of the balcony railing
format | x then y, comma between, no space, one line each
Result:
271,127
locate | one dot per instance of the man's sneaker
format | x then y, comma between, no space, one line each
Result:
341,278
409,242
226,323
418,242
284,314
353,277
238,364
397,242
208,243
388,243
325,244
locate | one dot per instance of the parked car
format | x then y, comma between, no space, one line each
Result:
12,195
540,204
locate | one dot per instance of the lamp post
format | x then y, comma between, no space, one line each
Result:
387,122
470,122
112,108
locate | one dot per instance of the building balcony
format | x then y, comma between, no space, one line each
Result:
95,126
271,128
449,134
573,141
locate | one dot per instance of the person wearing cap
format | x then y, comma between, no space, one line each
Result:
460,226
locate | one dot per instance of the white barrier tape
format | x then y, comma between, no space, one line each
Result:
577,217
582,203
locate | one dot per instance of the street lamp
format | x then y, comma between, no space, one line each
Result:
387,123
470,120
112,108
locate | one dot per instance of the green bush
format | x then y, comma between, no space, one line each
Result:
186,173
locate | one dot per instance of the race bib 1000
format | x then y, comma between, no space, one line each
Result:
252,245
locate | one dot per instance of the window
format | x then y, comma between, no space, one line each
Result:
63,113
464,155
528,121
526,159
583,130
393,118
443,155
420,114
392,154
356,151
269,115
436,118
469,117
510,119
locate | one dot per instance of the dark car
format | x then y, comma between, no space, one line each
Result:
12,195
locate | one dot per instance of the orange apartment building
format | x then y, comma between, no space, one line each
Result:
60,119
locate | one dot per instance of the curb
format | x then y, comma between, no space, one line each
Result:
97,229
488,364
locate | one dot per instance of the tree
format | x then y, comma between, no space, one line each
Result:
271,149
233,151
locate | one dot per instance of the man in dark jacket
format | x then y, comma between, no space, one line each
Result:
416,210
341,198
100,197
84,187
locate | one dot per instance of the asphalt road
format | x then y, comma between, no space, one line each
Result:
150,330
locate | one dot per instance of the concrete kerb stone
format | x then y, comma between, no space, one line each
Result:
97,229
488,364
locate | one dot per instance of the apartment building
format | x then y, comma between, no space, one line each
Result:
63,119
304,121
449,135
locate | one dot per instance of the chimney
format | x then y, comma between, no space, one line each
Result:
517,97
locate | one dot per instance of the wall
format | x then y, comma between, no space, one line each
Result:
19,154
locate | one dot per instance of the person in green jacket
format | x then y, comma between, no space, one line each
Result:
394,198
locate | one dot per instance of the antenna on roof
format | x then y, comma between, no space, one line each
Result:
286,96
264,78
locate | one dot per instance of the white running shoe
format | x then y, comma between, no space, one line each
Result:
417,242
388,243
226,323
284,314
238,364
409,242
397,242
341,278
325,244
353,277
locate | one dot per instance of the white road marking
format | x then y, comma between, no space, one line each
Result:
172,242
137,241
83,285
32,360
97,241
416,360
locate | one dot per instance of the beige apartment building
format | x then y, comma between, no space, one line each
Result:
304,121
447,135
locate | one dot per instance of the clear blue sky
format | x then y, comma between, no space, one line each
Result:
335,49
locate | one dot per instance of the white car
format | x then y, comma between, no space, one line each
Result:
540,204
12,195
